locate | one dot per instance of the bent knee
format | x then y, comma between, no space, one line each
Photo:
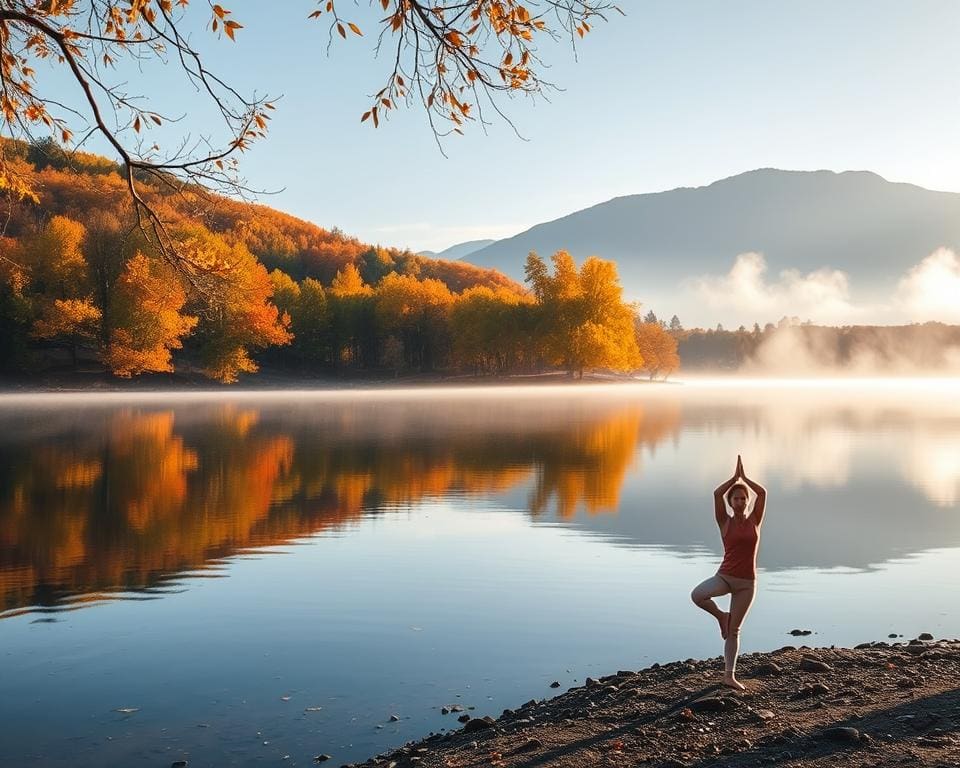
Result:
696,596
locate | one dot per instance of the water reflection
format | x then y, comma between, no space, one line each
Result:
116,502
102,502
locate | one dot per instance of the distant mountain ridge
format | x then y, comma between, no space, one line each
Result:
458,251
854,221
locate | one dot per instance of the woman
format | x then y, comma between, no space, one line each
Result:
737,574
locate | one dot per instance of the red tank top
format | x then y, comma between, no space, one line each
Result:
740,549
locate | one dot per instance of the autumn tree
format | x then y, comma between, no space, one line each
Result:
63,308
147,323
242,319
658,348
351,316
416,312
452,57
584,322
487,329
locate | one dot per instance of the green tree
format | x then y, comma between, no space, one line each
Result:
351,316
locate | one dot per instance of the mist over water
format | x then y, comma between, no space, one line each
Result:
225,563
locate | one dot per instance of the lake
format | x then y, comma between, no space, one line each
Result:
246,578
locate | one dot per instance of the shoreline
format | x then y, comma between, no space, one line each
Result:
91,383
874,705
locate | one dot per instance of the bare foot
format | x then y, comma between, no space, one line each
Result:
731,682
724,621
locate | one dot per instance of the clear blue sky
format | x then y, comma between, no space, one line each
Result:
675,94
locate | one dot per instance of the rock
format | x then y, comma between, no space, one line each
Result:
444,711
862,646
842,735
591,683
463,718
709,704
801,632
322,758
394,718
179,764
764,714
892,635
925,636
555,684
810,664
478,724
806,691
769,670
529,745
456,708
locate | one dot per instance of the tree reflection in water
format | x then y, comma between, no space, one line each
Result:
118,503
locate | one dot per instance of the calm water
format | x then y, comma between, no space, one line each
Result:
252,579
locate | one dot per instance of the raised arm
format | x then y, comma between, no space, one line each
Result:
761,503
719,503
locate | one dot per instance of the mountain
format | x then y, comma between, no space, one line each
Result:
458,251
856,221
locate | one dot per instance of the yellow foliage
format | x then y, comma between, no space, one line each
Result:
146,304
67,318
658,349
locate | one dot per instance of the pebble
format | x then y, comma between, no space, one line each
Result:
769,669
810,664
709,704
844,735
816,689
529,745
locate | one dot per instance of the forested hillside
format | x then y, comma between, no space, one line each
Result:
82,285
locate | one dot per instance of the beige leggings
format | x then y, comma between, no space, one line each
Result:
742,592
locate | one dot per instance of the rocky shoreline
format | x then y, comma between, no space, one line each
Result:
879,704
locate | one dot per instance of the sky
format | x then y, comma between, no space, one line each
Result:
673,94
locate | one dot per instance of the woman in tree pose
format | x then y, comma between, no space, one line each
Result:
737,574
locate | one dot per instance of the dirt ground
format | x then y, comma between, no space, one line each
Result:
875,705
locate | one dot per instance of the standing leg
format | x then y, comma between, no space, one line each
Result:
740,601
703,595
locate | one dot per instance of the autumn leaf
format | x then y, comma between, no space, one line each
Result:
229,26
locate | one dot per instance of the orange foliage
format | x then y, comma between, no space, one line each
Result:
144,495
147,300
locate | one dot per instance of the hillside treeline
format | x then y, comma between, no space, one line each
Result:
794,348
80,282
